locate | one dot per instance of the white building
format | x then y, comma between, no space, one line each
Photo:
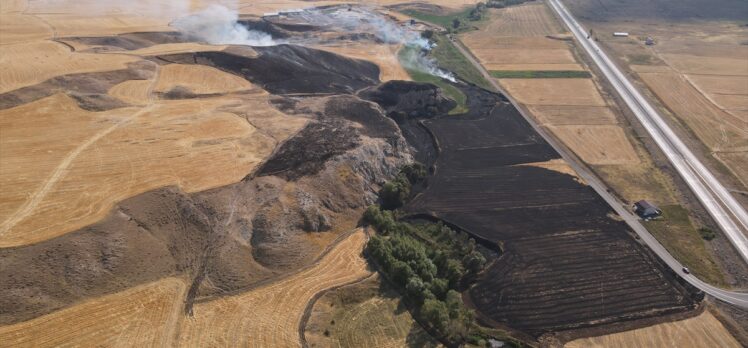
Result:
621,34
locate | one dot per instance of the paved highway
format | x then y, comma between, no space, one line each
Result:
721,205
739,299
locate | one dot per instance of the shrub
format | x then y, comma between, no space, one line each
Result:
706,233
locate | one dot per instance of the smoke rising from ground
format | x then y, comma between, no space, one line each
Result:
367,21
217,24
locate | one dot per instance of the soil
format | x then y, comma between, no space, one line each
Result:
88,89
567,262
287,69
227,239
132,41
675,10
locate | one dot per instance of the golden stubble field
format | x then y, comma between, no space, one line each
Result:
63,167
699,72
269,316
701,331
152,315
529,38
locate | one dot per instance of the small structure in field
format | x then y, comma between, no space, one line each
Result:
649,41
621,34
646,210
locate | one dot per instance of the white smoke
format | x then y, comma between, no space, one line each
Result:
218,24
363,20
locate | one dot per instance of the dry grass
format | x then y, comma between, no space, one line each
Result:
737,162
730,102
637,182
598,145
84,162
18,28
133,92
554,91
558,115
534,67
269,316
144,316
557,165
692,64
714,85
27,64
363,315
180,48
495,56
698,332
199,79
384,56
532,19
715,127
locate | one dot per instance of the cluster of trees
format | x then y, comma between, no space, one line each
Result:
504,3
395,192
429,263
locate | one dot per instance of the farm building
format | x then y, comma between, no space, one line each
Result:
621,34
646,210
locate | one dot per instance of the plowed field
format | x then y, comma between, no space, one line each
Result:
566,262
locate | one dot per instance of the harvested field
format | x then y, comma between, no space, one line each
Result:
18,28
173,48
554,91
736,161
526,20
490,56
557,165
364,315
597,145
731,102
715,85
269,316
563,252
692,64
384,56
702,331
27,64
67,22
134,92
716,128
537,67
146,315
199,79
558,115
160,144
487,38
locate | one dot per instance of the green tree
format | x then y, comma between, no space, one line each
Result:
456,23
474,262
454,273
436,313
439,287
415,288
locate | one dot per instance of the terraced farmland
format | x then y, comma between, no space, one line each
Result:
567,262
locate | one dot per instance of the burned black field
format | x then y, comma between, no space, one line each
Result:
566,262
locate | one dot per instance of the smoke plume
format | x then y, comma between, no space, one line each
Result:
217,24
363,20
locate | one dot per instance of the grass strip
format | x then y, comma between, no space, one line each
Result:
419,76
679,236
452,59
